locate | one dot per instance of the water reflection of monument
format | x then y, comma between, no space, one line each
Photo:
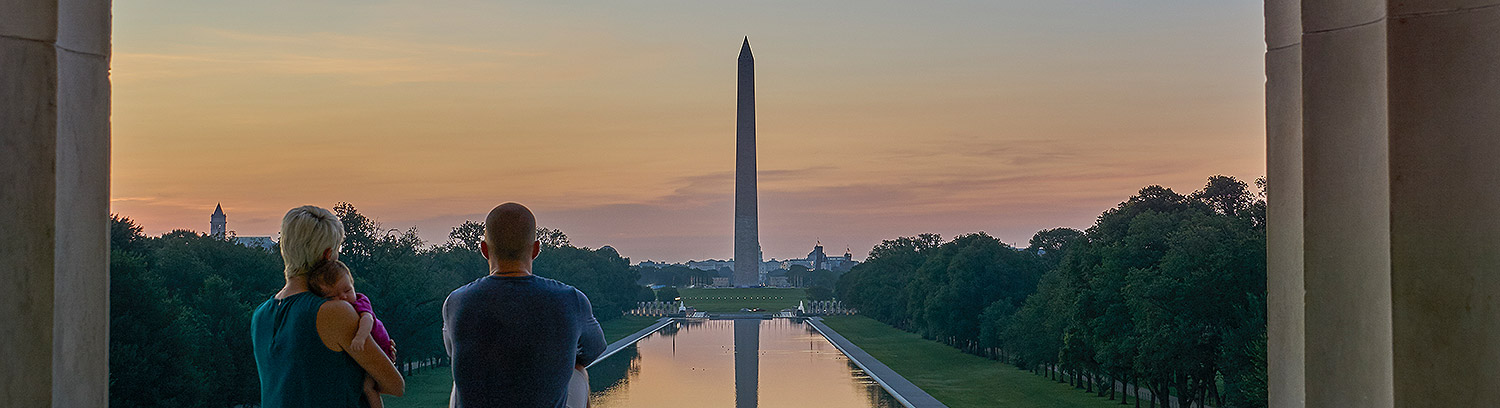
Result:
746,362
710,354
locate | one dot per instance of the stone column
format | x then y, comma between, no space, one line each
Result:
1346,180
28,122
1284,314
1400,205
1444,101
54,172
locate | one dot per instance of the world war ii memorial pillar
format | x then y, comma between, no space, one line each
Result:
746,220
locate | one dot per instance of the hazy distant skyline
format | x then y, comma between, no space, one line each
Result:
615,122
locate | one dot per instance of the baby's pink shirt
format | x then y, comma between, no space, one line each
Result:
377,331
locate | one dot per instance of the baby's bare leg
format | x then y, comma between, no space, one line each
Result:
372,394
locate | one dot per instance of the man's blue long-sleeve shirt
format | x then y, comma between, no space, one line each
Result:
514,340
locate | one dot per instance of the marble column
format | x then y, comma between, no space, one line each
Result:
54,172
1284,305
1443,81
1346,204
1400,220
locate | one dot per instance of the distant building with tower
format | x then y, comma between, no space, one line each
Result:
771,272
218,226
256,242
712,265
818,259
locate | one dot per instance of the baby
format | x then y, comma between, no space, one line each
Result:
333,280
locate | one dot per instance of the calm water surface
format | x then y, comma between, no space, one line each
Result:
741,363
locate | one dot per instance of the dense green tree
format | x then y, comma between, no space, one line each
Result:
667,294
552,238
150,332
1164,291
878,287
961,278
467,236
802,277
819,293
1052,244
674,275
1036,328
224,313
1225,195
904,246
602,274
1248,387
125,236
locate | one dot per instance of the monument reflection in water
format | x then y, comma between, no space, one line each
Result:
741,363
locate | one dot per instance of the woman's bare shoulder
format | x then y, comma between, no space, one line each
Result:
336,309
336,323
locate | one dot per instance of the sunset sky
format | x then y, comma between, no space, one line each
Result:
615,121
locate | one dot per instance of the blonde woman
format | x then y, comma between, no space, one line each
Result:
302,342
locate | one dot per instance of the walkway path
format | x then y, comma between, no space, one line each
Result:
898,386
615,347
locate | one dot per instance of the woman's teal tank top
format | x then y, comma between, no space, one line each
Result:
296,369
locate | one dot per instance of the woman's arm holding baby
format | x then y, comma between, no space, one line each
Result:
337,324
366,323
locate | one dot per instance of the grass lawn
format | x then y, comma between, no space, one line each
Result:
731,300
619,327
429,388
958,379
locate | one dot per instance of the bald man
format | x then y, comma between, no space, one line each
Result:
514,337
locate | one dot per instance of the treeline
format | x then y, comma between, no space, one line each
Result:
180,303
1165,292
675,276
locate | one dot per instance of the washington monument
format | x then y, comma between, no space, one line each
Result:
746,222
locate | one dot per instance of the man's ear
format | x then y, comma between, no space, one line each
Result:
536,249
484,249
327,254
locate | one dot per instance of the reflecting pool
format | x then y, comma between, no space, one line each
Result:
741,363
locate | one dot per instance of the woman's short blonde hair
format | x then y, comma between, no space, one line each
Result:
306,232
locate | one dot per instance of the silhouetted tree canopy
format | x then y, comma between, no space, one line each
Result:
467,236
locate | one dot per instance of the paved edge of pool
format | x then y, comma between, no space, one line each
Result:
615,347
907,393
